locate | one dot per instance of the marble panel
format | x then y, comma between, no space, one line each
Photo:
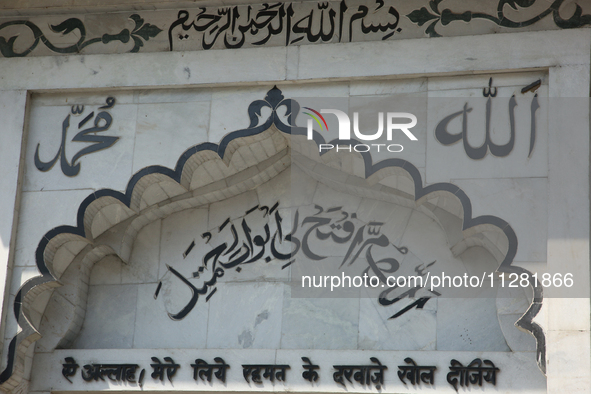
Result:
110,318
303,187
12,112
568,314
246,315
153,69
109,167
278,189
39,213
518,371
166,130
291,62
94,98
479,261
265,265
445,163
232,208
395,217
178,233
145,256
413,330
154,329
11,328
568,219
229,110
20,275
568,359
572,385
523,203
55,324
513,300
327,197
404,87
315,90
569,81
319,323
107,271
469,324
462,53
179,95
369,109
517,340
478,81
426,240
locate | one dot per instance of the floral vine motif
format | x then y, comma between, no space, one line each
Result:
140,31
445,17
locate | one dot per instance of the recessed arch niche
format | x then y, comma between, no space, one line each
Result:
264,169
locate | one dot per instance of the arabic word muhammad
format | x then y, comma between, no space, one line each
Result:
416,373
270,372
285,24
499,150
204,371
260,236
365,375
101,122
472,374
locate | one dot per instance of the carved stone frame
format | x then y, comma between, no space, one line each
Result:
565,54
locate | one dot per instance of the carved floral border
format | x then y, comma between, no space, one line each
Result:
432,14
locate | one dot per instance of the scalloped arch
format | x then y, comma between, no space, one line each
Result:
156,191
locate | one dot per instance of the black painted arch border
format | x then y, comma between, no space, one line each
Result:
273,100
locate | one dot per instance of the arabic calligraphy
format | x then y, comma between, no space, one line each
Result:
288,23
499,150
102,122
235,244
247,247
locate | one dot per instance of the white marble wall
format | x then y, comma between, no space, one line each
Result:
121,311
266,304
156,125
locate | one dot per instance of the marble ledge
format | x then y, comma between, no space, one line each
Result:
328,62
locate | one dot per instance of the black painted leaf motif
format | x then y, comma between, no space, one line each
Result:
147,31
293,109
274,97
447,16
434,4
422,16
514,3
7,47
138,21
577,20
431,30
254,111
138,44
69,25
123,36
